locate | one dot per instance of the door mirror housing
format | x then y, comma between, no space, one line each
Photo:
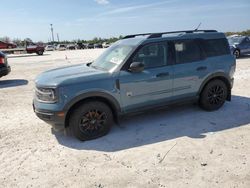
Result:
136,67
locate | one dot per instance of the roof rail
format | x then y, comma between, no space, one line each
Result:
157,35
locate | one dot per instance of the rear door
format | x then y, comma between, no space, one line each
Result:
189,69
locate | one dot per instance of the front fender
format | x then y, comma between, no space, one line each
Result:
91,94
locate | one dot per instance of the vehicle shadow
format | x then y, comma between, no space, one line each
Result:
12,83
26,55
159,126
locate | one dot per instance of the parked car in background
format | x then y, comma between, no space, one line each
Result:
97,45
61,47
90,46
50,48
81,45
137,74
35,48
71,47
7,45
106,45
4,67
239,45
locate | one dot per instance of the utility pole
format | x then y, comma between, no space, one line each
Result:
52,34
58,37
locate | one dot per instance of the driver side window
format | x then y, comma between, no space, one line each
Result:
153,55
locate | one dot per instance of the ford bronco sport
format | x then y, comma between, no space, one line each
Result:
139,72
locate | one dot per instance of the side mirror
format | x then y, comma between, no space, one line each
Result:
136,67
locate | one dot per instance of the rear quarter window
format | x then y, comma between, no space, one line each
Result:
187,51
215,47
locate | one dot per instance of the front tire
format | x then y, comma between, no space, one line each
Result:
213,95
91,120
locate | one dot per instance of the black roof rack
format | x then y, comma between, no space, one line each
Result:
157,35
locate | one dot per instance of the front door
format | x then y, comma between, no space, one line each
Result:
151,86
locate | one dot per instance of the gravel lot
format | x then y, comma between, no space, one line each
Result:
179,147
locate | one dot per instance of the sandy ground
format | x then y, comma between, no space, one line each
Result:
179,147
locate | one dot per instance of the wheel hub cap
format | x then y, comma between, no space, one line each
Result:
92,122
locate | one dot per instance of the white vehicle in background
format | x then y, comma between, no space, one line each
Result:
50,48
61,47
105,45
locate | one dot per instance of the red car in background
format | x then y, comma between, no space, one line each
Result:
7,45
35,48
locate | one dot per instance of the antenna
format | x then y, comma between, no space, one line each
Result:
198,27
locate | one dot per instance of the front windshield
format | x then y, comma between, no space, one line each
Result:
235,40
113,57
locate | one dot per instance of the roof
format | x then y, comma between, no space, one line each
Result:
206,34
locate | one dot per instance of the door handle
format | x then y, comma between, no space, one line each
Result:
164,74
201,68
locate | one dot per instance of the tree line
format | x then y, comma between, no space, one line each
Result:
245,33
96,40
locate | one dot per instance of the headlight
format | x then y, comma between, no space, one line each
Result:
46,95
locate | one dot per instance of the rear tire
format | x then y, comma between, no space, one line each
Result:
213,95
40,53
236,54
91,120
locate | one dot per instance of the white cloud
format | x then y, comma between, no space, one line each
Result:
102,2
137,7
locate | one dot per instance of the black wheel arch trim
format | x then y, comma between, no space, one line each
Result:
95,94
115,106
237,49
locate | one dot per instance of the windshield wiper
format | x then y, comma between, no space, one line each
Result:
88,64
96,67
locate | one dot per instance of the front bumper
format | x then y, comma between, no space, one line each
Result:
55,119
4,71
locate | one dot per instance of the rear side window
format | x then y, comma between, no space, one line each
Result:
216,47
187,51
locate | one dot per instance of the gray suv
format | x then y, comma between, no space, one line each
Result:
239,45
138,73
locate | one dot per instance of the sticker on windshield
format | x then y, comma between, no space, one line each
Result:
116,60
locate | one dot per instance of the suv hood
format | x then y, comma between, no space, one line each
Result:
234,44
69,75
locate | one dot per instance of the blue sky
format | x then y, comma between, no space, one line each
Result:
85,19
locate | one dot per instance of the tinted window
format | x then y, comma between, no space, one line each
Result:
153,55
246,40
216,47
187,51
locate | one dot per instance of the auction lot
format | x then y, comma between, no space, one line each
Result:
182,146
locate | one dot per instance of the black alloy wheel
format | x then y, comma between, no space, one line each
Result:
91,120
213,95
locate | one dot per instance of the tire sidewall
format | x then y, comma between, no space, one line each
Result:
204,99
238,53
83,109
40,52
